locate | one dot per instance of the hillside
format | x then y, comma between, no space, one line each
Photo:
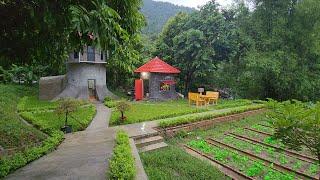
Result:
157,14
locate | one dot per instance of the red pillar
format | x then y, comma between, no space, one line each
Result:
138,87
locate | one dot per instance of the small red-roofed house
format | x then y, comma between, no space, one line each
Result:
161,80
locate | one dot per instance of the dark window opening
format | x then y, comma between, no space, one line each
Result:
76,55
90,53
101,55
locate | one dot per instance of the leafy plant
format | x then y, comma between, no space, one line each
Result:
11,163
206,115
122,165
66,107
122,107
297,125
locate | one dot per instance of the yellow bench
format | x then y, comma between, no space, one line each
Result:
212,97
195,97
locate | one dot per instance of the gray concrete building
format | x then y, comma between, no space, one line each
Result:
160,77
85,78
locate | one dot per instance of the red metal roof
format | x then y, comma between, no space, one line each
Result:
158,66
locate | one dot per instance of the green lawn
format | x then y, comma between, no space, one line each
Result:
41,114
147,111
45,120
174,163
14,133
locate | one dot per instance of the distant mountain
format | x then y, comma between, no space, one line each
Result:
157,14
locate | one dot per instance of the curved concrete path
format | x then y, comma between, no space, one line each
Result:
82,155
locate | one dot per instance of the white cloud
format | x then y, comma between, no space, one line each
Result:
196,3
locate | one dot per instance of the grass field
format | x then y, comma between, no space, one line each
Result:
45,120
147,111
14,133
173,163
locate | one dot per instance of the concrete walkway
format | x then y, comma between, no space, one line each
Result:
83,155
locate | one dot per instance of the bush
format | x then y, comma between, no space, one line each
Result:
122,165
11,163
175,121
122,107
111,103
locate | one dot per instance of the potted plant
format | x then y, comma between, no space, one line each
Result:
66,107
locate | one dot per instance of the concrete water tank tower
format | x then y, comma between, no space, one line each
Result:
86,75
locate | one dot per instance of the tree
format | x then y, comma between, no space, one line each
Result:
66,107
122,107
64,26
191,57
297,125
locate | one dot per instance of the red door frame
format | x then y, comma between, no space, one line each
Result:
138,89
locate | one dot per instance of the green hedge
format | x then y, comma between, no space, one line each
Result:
11,163
122,165
169,122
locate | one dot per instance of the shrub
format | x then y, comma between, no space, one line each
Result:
122,107
107,98
175,121
122,165
11,163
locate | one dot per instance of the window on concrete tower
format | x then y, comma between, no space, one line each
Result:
101,55
76,55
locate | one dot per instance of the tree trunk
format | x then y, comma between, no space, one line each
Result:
187,84
319,165
122,116
66,120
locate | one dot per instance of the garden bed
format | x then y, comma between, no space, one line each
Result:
243,154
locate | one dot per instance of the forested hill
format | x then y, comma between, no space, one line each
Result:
157,14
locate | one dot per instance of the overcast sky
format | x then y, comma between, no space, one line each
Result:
196,3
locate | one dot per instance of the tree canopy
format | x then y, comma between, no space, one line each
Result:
269,50
44,32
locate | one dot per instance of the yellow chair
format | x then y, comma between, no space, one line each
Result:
195,97
213,97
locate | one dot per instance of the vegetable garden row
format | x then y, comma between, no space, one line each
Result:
252,153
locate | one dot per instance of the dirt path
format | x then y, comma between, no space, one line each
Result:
83,155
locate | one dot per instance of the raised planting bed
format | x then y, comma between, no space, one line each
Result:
239,163
280,160
265,140
205,124
176,121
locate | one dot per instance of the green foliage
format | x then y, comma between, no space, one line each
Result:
13,132
122,107
271,51
66,107
157,14
49,120
11,163
110,103
122,164
239,161
146,111
174,163
22,74
175,121
32,103
296,124
64,26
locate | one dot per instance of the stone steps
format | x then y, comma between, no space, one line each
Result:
152,147
150,142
